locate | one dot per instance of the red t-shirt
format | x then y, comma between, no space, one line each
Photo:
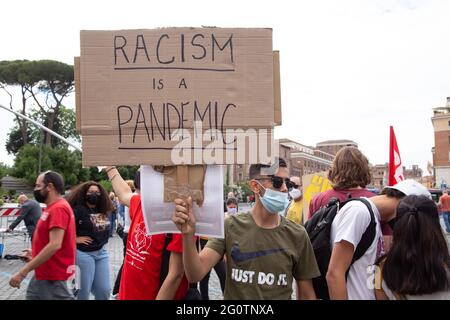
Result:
60,266
323,198
142,264
445,202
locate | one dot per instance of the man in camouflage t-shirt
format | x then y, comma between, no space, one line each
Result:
264,251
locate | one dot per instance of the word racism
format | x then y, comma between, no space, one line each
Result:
197,47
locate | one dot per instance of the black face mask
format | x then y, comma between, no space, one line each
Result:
39,196
92,198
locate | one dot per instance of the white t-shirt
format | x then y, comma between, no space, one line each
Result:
349,224
127,218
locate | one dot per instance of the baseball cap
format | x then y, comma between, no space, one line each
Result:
411,187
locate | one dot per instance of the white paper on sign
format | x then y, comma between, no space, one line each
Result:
158,215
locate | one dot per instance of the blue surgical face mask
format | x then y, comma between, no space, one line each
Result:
286,205
232,210
274,201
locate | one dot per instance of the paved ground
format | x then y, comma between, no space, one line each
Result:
14,245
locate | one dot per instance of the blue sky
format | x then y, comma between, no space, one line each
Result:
349,68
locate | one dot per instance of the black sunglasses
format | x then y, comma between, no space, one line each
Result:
277,181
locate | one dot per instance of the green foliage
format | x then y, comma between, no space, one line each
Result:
15,73
106,184
52,75
47,75
61,160
4,170
241,190
245,190
48,82
64,125
12,192
226,188
14,141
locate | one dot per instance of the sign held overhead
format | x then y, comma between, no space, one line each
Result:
174,96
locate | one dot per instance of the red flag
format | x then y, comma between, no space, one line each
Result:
395,162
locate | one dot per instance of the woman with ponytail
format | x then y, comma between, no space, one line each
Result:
418,265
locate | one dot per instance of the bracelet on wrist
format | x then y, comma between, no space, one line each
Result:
108,170
111,179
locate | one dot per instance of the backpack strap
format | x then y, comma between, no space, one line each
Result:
368,235
379,281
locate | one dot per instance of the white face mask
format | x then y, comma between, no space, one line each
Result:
232,210
295,193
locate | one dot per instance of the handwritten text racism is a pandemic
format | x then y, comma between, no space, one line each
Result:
199,52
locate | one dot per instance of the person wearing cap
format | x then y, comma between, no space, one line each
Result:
347,229
418,265
265,252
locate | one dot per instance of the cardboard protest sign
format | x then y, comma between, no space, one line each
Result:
313,184
158,212
156,96
277,87
76,69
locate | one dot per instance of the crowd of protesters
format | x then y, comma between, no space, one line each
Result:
266,253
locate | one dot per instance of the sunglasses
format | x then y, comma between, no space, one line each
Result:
277,181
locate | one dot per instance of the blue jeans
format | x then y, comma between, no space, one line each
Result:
446,216
112,221
94,274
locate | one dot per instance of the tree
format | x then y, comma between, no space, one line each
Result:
12,74
4,170
64,125
47,82
61,160
55,81
15,139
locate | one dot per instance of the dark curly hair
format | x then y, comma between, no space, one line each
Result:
350,169
77,197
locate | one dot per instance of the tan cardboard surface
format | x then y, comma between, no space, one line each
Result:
277,87
76,68
138,86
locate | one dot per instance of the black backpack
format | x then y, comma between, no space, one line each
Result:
319,229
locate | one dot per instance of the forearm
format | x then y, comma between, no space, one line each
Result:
305,290
169,287
49,250
16,222
337,286
193,265
121,188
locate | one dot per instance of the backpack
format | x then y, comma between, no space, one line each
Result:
319,232
193,293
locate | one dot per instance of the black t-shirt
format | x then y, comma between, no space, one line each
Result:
92,224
